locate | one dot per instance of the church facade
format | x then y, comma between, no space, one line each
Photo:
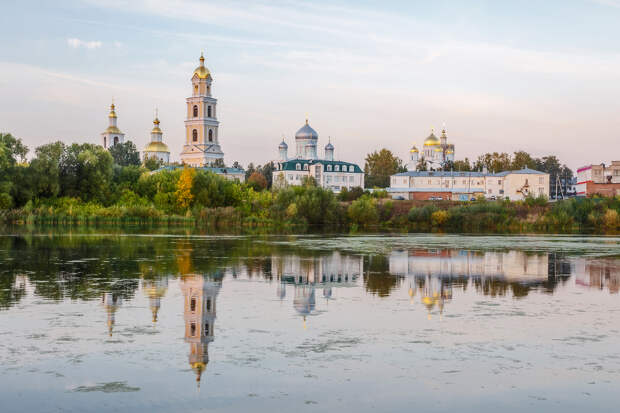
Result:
328,173
435,151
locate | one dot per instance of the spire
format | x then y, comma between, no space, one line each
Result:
112,110
202,59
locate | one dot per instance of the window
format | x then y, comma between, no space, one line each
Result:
192,305
541,180
115,140
336,168
329,168
490,191
540,190
499,182
290,177
206,329
192,328
297,177
195,135
210,135
209,111
305,167
351,168
208,304
298,167
195,111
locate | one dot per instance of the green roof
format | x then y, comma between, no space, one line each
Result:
291,165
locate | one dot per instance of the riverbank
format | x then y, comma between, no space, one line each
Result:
314,209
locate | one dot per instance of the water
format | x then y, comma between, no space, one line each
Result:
97,323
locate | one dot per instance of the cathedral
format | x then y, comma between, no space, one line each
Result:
436,152
202,145
328,173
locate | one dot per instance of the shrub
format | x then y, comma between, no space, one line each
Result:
438,218
363,212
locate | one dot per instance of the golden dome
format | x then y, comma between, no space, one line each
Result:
449,151
414,149
431,140
156,130
201,71
113,129
112,112
156,147
437,149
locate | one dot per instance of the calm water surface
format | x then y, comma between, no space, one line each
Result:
95,323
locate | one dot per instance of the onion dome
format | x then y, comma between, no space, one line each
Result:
329,147
156,147
156,126
112,111
201,71
414,149
306,132
449,152
431,140
437,149
283,145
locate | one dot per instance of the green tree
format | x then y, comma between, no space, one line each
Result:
380,166
45,169
12,151
125,154
462,165
494,162
522,159
86,172
152,163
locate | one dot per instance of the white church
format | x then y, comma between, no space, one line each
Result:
328,172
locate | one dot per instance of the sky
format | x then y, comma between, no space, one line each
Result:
503,76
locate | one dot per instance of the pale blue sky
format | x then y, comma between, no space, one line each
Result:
502,75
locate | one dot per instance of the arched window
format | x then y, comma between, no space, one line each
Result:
195,135
305,167
210,135
298,167
206,329
329,168
351,169
195,111
209,111
115,140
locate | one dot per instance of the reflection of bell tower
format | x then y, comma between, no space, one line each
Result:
155,290
111,302
199,316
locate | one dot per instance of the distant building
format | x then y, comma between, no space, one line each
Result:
599,179
462,186
436,151
328,173
112,135
156,148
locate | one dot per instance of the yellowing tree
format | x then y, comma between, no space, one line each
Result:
184,188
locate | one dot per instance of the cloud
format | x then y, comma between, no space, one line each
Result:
77,43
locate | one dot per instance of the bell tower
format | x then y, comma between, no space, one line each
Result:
112,135
202,147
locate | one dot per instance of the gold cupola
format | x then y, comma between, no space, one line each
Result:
201,71
431,140
112,111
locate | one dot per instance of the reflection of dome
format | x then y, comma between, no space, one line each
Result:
201,70
306,132
431,140
327,292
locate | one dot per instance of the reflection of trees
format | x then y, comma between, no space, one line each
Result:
377,277
11,291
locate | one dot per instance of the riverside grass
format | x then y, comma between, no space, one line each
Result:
304,209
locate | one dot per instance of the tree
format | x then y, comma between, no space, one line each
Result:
522,159
237,165
12,150
218,163
462,165
183,193
152,163
249,171
380,166
45,168
493,162
267,171
86,172
257,181
125,154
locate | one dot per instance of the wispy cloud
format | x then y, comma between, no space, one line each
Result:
77,43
